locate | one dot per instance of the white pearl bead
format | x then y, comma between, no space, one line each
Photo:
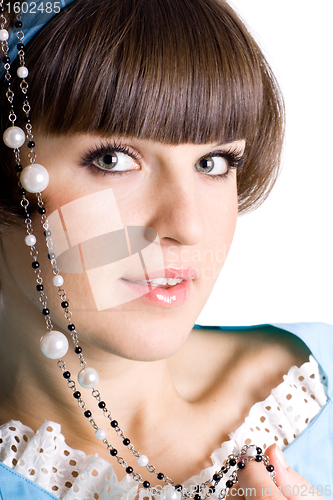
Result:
251,451
58,280
22,72
14,137
34,178
4,35
54,345
88,377
143,460
30,240
170,493
100,434
237,450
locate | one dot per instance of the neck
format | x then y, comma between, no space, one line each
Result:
28,379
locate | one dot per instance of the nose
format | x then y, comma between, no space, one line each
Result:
177,212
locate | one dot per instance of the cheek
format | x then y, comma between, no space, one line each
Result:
220,225
63,190
223,216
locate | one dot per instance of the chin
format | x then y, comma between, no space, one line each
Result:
136,330
135,335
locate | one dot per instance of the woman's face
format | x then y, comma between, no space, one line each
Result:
122,212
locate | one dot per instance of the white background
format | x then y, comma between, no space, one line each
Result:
280,265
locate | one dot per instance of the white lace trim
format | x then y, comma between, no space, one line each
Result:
70,474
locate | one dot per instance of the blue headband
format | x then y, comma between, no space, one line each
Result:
33,20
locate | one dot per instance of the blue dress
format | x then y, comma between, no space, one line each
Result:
311,454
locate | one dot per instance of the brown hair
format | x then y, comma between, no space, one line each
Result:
172,71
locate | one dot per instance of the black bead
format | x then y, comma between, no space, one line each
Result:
78,350
18,24
47,233
178,487
114,423
197,497
217,478
51,256
77,395
31,144
35,265
45,311
26,215
71,327
129,470
66,374
18,168
232,462
41,210
146,484
229,484
224,469
258,458
64,304
22,192
6,59
126,441
2,9
102,405
87,413
20,46
40,288
160,476
113,452
211,490
259,450
270,468
241,465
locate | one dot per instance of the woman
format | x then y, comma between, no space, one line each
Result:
142,113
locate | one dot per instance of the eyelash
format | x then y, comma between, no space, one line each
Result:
235,159
93,154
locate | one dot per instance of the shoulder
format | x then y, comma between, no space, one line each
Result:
319,339
211,356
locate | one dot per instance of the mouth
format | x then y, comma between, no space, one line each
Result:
170,291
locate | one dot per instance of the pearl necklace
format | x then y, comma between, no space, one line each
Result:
34,178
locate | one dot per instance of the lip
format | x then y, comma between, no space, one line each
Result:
174,296
186,273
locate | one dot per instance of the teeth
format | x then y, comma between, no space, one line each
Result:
165,281
172,281
159,281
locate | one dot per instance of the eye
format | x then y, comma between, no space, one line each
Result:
115,161
217,164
